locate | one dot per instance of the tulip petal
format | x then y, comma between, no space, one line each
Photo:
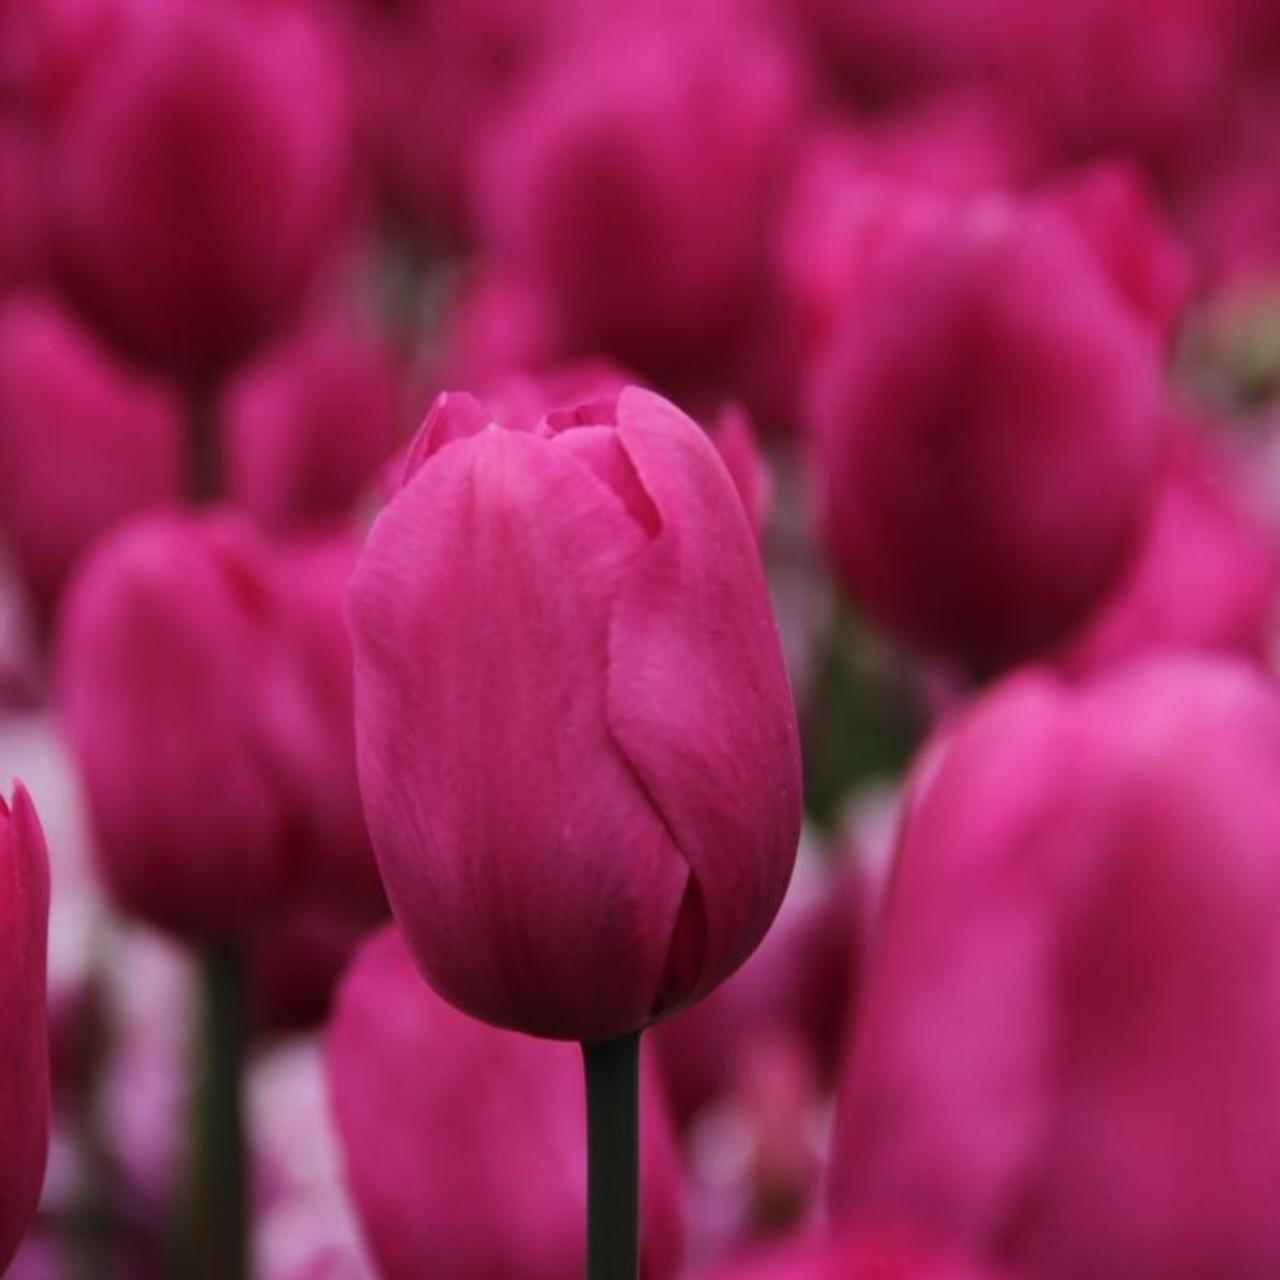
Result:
536,883
699,700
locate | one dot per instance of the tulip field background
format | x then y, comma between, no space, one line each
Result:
532,521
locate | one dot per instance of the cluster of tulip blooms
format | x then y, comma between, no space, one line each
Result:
640,635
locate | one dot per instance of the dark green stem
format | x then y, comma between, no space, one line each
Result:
218,1235
613,1158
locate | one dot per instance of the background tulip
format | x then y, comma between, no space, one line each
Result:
606,180
24,1065
166,628
465,1148
157,160
523,615
986,434
306,427
84,442
1084,911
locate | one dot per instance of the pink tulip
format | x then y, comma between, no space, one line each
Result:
24,1064
465,1148
1068,1055
1207,576
160,163
563,646
607,182
849,1258
986,434
306,427
430,75
164,641
1115,210
84,442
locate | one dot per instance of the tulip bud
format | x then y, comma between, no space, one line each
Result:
563,648
1068,1055
1206,576
158,167
83,442
464,1145
164,638
1114,209
607,181
986,430
24,1064
307,427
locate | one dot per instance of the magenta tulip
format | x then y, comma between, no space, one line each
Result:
464,1145
1068,1055
307,426
24,1064
1115,210
84,442
564,650
986,430
607,180
1207,576
165,637
184,118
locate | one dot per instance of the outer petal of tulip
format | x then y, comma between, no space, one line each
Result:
576,743
24,1064
698,696
465,1149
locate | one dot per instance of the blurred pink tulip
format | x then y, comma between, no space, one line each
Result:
1115,210
986,434
430,75
159,162
1068,1055
24,1064
465,1148
563,644
1207,576
84,442
307,426
164,638
608,180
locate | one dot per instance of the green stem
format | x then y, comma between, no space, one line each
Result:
613,1158
218,1234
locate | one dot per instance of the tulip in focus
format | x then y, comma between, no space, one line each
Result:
986,434
1069,1055
464,1145
84,442
576,741
161,162
24,1064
